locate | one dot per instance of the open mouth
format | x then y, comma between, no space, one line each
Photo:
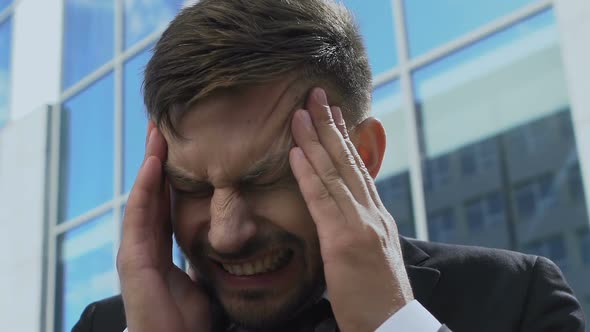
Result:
274,261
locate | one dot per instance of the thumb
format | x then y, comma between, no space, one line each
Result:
192,300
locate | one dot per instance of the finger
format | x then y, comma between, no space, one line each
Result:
191,300
157,146
146,219
147,211
321,204
150,125
319,159
331,139
369,182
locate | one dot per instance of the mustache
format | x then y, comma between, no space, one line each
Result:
249,248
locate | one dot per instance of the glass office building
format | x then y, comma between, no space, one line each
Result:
484,105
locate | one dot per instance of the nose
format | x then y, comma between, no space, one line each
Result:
231,224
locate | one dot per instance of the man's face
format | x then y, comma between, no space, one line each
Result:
237,210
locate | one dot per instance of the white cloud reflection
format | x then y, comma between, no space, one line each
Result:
143,17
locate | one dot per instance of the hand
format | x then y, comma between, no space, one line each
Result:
158,296
363,264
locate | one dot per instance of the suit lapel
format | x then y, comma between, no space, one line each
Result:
423,279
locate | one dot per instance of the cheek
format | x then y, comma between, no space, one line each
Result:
286,210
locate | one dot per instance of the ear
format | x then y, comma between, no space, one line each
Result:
369,139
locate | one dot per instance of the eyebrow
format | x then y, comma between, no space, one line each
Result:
275,164
182,178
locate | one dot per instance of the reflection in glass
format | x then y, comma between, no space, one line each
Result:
177,255
87,149
5,38
500,151
485,213
4,4
433,23
552,248
145,17
88,37
393,182
85,269
134,118
442,225
375,19
584,238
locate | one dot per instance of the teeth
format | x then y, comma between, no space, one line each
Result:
248,269
267,261
267,264
259,265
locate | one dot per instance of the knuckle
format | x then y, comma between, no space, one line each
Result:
313,189
320,193
330,175
345,158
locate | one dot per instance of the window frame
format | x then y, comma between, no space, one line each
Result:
402,72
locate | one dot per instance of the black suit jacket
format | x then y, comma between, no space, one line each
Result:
466,288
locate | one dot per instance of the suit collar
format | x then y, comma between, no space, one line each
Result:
423,279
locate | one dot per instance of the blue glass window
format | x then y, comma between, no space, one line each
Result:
433,23
437,173
468,161
387,107
88,38
134,118
574,179
553,248
495,205
375,19
526,201
442,225
547,193
85,269
393,182
585,247
498,110
537,197
475,216
4,4
177,255
498,142
145,17
485,213
5,41
87,149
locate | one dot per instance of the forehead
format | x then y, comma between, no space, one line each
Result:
230,131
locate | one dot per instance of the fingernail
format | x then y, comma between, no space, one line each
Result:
152,135
298,152
320,96
337,115
306,120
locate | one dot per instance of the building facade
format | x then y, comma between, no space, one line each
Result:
485,104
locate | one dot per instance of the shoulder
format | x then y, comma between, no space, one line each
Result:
103,315
483,271
467,258
516,290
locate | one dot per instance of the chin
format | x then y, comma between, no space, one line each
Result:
267,310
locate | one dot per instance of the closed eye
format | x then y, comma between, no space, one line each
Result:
282,182
200,193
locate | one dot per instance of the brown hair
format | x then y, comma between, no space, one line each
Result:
217,44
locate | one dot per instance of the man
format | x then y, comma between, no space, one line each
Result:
260,159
